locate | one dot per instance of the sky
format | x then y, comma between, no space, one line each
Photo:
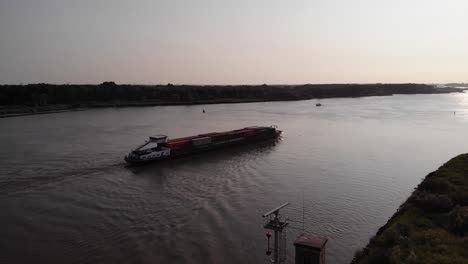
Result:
233,42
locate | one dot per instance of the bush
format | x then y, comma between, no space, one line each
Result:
404,229
412,258
359,254
459,220
396,255
460,196
435,185
389,237
431,202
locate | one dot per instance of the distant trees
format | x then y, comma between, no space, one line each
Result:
112,93
107,84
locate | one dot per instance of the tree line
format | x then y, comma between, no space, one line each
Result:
108,92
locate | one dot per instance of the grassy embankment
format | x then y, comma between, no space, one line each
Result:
431,226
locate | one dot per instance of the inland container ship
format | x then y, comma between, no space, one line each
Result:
159,147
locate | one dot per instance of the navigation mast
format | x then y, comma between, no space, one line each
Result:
276,224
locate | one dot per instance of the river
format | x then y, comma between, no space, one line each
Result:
66,195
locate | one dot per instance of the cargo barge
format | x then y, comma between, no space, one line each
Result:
159,147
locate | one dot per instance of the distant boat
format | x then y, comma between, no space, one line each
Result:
318,104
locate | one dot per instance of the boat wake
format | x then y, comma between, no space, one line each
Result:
16,182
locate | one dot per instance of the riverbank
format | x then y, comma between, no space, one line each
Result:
431,226
21,110
30,99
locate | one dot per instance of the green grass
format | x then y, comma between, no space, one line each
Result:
431,226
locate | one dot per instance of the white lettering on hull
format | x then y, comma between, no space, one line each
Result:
156,154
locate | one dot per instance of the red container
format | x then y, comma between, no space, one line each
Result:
176,145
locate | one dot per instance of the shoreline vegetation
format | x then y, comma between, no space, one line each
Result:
18,100
431,226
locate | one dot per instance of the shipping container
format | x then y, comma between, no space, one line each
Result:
201,141
177,145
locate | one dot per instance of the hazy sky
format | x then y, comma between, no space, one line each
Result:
233,42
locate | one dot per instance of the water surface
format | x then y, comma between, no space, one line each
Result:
67,197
